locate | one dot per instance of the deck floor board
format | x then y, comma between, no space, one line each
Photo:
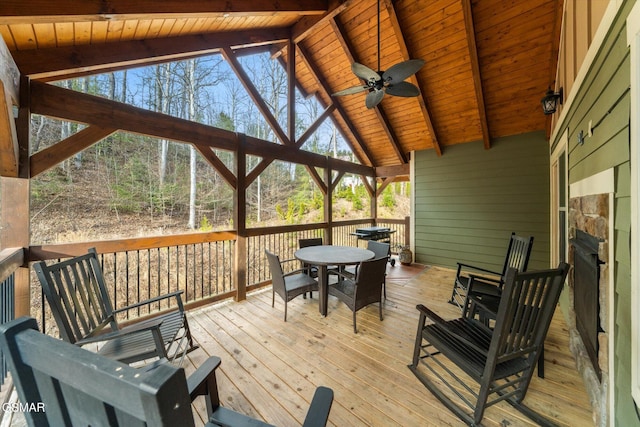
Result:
270,368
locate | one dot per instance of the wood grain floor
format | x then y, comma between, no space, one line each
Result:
270,368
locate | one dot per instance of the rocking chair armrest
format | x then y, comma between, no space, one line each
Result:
152,325
318,412
475,277
175,294
473,267
430,314
203,383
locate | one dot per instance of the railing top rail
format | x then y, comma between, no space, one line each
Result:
67,250
10,260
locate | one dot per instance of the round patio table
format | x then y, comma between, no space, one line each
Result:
325,255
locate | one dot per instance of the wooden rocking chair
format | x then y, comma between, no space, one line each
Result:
488,282
501,360
64,385
76,292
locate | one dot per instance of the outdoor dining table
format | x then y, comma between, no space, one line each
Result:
325,255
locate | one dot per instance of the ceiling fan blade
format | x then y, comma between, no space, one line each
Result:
404,89
351,90
374,98
364,72
402,70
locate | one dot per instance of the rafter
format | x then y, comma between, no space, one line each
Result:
36,11
475,69
382,117
313,68
255,95
426,115
73,61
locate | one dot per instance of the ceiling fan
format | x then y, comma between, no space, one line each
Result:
391,81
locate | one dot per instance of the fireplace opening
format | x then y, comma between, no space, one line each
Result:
586,279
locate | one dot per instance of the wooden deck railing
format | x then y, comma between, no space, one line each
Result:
202,265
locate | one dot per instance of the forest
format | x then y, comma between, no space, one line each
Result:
129,185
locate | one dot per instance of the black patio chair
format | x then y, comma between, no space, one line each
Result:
66,385
489,282
500,360
83,311
380,250
288,285
364,290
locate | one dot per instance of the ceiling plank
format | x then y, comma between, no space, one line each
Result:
73,61
404,50
382,118
475,69
49,157
37,11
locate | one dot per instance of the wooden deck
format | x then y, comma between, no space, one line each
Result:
270,368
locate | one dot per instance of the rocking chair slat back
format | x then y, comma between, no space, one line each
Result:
77,297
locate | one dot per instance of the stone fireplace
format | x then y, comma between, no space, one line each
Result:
589,230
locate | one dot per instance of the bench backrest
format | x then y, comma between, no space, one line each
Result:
61,384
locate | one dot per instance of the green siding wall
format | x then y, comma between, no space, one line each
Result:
468,201
603,98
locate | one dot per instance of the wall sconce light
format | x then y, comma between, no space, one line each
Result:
550,101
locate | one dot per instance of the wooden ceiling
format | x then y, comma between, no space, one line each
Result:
488,62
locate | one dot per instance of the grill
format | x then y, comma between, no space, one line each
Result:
374,233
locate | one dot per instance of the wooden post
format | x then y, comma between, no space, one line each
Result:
240,219
374,200
407,231
328,204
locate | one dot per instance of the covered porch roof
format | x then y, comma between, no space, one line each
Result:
488,62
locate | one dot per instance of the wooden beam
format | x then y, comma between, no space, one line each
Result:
255,95
475,68
51,156
240,221
37,11
73,61
218,165
404,50
385,171
367,159
315,125
257,170
388,180
382,117
8,137
555,49
74,106
9,74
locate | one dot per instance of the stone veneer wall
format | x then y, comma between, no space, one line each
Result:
591,214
